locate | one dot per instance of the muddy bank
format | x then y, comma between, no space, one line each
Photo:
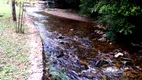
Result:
67,13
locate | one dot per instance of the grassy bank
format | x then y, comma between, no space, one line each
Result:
14,49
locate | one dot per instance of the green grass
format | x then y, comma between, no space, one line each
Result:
5,10
14,62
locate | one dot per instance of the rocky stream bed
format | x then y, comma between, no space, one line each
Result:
78,50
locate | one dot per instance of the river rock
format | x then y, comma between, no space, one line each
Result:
102,39
85,63
61,37
118,55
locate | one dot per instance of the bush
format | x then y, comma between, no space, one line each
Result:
113,14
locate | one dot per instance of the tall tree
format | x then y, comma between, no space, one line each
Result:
13,10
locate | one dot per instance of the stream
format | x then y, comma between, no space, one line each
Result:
76,51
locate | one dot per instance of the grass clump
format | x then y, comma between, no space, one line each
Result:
57,74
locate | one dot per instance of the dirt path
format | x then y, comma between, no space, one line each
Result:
67,13
36,51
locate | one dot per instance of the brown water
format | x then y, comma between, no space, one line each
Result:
75,52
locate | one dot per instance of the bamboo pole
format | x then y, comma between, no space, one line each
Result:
19,18
22,13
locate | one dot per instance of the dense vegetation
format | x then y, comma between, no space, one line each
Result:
121,17
67,3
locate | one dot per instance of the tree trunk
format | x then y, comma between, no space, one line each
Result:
13,10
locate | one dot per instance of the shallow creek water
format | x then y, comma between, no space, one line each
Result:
75,52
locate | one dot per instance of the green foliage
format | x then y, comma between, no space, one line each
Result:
49,9
113,14
57,74
86,7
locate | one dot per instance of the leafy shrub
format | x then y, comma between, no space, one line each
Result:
113,14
